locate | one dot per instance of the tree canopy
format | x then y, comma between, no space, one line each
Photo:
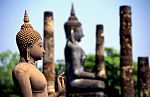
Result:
8,60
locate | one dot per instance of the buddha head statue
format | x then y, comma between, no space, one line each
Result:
29,41
73,27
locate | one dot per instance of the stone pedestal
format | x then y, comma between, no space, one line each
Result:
88,92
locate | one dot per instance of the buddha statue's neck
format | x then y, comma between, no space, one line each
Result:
31,61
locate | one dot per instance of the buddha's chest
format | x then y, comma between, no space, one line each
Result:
81,54
38,81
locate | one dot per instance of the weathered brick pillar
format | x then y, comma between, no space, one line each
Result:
100,65
143,69
48,61
126,62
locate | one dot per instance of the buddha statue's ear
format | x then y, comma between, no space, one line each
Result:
72,31
28,53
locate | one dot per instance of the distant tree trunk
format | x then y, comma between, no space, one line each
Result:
100,65
48,61
126,62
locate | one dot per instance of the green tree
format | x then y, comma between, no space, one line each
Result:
112,61
89,63
59,66
8,60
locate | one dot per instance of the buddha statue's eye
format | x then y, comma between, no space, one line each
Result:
40,45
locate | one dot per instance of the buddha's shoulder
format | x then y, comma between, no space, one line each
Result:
22,68
72,45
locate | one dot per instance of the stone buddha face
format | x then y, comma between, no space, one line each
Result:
73,28
78,34
37,51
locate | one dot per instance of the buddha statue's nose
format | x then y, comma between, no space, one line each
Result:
82,35
43,51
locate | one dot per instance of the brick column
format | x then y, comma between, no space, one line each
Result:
126,62
100,65
143,72
48,61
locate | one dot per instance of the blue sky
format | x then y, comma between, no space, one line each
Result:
89,13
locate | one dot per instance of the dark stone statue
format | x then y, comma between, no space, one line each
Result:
76,78
29,81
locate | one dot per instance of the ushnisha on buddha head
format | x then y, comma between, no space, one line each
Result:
73,28
29,41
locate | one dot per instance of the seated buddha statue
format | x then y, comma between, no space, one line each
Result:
76,77
29,81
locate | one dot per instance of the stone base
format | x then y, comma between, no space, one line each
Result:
86,94
85,90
